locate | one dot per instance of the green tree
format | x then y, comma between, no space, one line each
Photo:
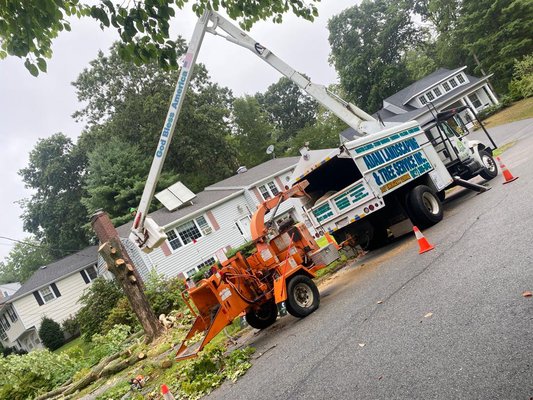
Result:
288,108
27,29
130,103
522,84
54,213
368,43
97,303
253,131
23,260
51,334
496,33
116,173
324,134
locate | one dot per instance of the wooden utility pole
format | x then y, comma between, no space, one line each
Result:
122,267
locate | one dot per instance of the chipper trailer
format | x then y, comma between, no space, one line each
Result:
279,270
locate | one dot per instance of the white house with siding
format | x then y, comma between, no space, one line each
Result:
441,90
52,291
218,218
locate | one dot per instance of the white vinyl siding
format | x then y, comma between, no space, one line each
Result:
71,288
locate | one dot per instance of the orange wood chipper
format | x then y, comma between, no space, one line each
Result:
280,270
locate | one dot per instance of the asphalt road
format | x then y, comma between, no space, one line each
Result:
453,323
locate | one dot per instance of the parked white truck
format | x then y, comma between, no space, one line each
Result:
368,185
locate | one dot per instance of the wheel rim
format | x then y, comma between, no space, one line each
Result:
430,202
303,295
489,163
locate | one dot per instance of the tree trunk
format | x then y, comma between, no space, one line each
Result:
122,267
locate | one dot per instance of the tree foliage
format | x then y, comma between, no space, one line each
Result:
23,260
51,334
253,131
27,29
522,84
368,43
97,302
288,108
54,213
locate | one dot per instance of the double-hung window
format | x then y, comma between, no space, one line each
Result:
475,100
188,232
268,190
12,314
89,274
47,294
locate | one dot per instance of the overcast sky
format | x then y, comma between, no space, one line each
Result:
33,108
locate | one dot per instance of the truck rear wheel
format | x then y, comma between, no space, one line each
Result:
490,170
425,208
263,317
302,296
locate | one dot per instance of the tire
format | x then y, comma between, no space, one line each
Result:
441,195
263,317
302,296
490,169
424,207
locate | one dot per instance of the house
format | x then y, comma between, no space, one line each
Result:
52,291
218,218
7,289
442,89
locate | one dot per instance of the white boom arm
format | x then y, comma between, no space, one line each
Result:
145,232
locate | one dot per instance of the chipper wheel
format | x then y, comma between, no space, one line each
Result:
302,296
263,317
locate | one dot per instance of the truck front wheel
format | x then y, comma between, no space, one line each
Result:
490,170
302,296
425,208
262,317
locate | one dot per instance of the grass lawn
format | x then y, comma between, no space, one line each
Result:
78,342
520,110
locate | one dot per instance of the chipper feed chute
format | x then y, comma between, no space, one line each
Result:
218,304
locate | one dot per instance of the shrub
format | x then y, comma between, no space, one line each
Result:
121,314
70,326
98,302
521,86
51,334
27,376
164,294
110,343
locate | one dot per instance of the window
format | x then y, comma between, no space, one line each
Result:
268,190
437,92
89,274
430,96
207,263
4,323
422,100
188,232
203,225
273,188
446,86
173,239
3,334
461,78
12,314
47,294
475,100
453,82
91,271
264,192
191,272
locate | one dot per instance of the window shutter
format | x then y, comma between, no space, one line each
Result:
38,298
84,276
55,290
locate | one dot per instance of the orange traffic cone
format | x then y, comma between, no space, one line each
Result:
506,173
422,241
166,393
